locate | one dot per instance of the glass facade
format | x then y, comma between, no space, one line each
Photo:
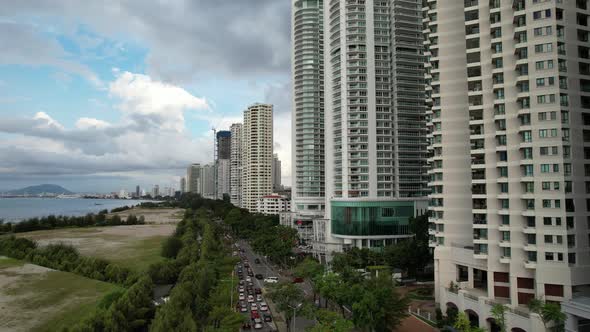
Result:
377,218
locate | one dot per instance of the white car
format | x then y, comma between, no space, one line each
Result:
257,323
263,306
250,298
253,306
242,296
271,280
258,298
248,279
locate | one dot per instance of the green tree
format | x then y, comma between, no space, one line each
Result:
549,312
286,296
330,321
499,314
381,308
171,247
310,269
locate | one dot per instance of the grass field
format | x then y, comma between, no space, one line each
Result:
33,298
135,246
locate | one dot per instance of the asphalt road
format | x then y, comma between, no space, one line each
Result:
267,270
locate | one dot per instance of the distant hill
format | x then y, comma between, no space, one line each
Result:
40,189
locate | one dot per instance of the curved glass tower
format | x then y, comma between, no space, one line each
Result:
308,108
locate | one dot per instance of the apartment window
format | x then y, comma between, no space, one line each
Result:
541,14
504,204
505,219
506,252
548,256
548,238
505,236
543,31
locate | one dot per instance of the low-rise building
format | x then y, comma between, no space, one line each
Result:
273,204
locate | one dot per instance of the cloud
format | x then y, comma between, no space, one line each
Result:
225,37
23,44
148,137
141,96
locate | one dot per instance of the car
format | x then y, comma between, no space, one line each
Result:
248,279
267,317
246,264
254,306
246,326
242,282
257,323
263,306
250,284
297,280
259,276
242,296
250,273
258,298
254,314
250,298
257,291
271,280
257,261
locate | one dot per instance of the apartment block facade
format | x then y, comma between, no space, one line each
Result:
257,154
375,122
235,172
509,97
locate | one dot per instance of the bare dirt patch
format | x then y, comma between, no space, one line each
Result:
134,246
154,216
35,298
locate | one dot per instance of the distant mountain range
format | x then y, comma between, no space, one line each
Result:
41,189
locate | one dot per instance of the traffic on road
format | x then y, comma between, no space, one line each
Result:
251,302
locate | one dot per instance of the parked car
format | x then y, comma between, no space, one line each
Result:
242,296
267,317
254,306
297,280
259,276
257,261
263,306
271,280
254,314
258,298
250,298
248,279
257,323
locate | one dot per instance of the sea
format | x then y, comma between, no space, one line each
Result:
16,209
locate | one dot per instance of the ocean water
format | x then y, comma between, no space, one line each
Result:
15,209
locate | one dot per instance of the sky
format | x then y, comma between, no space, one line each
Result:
99,96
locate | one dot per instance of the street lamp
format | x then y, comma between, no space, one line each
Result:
295,308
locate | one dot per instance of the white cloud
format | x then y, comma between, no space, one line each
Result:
149,138
140,95
86,123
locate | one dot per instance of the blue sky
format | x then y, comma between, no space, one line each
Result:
99,96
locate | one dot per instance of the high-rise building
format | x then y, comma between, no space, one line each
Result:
510,91
223,144
183,184
276,173
193,174
375,123
137,193
257,152
156,191
207,181
223,177
307,132
222,163
235,172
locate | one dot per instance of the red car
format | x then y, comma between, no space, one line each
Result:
254,314
297,280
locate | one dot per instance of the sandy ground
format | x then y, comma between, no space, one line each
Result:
98,240
12,316
33,297
155,216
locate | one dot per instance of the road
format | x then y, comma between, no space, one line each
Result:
267,270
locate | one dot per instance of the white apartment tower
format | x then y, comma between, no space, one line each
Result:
510,132
235,172
257,154
308,168
375,122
